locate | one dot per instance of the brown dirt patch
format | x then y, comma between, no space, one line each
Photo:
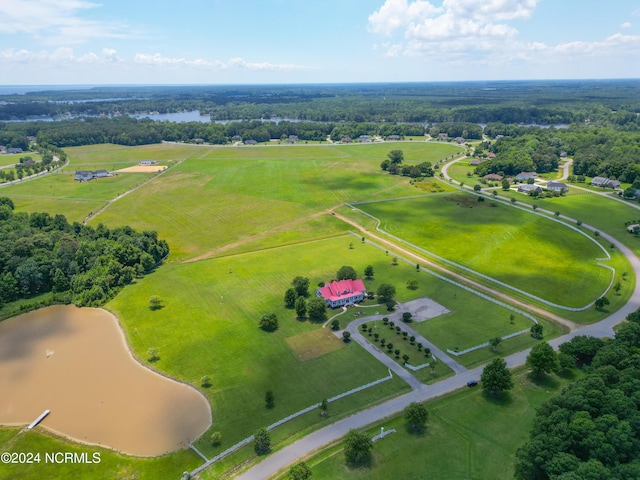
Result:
313,344
464,201
142,169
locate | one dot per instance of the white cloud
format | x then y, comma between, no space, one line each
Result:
626,25
398,14
59,57
56,21
491,10
240,63
162,61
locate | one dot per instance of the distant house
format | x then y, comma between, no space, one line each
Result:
364,138
498,137
86,175
635,228
443,136
563,154
83,176
393,138
557,187
250,142
524,176
11,151
198,140
605,183
3,149
346,140
292,139
148,162
28,163
31,138
236,138
529,188
342,292
493,177
475,162
460,140
491,155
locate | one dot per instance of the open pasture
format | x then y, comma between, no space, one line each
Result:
468,435
113,157
209,326
6,160
227,195
526,251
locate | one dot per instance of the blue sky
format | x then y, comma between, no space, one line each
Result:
305,41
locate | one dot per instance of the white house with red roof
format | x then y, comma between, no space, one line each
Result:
342,292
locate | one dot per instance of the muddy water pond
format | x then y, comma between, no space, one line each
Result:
75,362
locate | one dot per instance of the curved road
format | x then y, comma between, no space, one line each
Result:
307,445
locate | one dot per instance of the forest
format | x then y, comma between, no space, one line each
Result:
590,430
80,264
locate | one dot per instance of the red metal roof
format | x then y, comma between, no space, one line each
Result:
342,288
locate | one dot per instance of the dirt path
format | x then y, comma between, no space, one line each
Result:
459,278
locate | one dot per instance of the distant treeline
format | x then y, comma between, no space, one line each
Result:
539,102
78,263
596,151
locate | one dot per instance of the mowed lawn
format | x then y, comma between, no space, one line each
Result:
468,436
230,195
209,326
527,251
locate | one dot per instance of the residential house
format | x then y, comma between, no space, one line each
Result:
493,177
393,138
557,187
292,139
250,142
364,138
148,162
529,188
605,182
28,163
101,174
14,151
83,176
346,140
443,136
525,176
3,149
475,162
491,155
236,138
339,293
459,140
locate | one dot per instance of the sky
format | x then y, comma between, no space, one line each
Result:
310,41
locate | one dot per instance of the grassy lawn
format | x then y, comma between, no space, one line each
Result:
527,251
13,159
468,435
264,189
112,464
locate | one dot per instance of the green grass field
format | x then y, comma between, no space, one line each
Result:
526,251
468,435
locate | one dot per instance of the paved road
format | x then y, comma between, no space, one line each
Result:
307,445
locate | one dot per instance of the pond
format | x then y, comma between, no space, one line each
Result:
76,363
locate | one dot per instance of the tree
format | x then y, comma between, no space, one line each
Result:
155,303
290,297
346,336
396,157
346,272
317,309
152,353
505,185
357,447
601,303
335,324
536,330
300,471
301,307
205,381
262,441
477,187
394,261
412,284
368,271
496,377
617,287
494,342
416,415
405,358
542,359
324,405
301,286
215,438
268,322
269,399
386,292
406,317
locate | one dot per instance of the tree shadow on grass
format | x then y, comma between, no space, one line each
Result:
545,381
416,432
364,464
504,399
568,374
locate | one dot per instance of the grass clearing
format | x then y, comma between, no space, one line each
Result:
468,435
313,344
527,251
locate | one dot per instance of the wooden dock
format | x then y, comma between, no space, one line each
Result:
39,419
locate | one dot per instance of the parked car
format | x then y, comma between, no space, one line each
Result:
472,383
